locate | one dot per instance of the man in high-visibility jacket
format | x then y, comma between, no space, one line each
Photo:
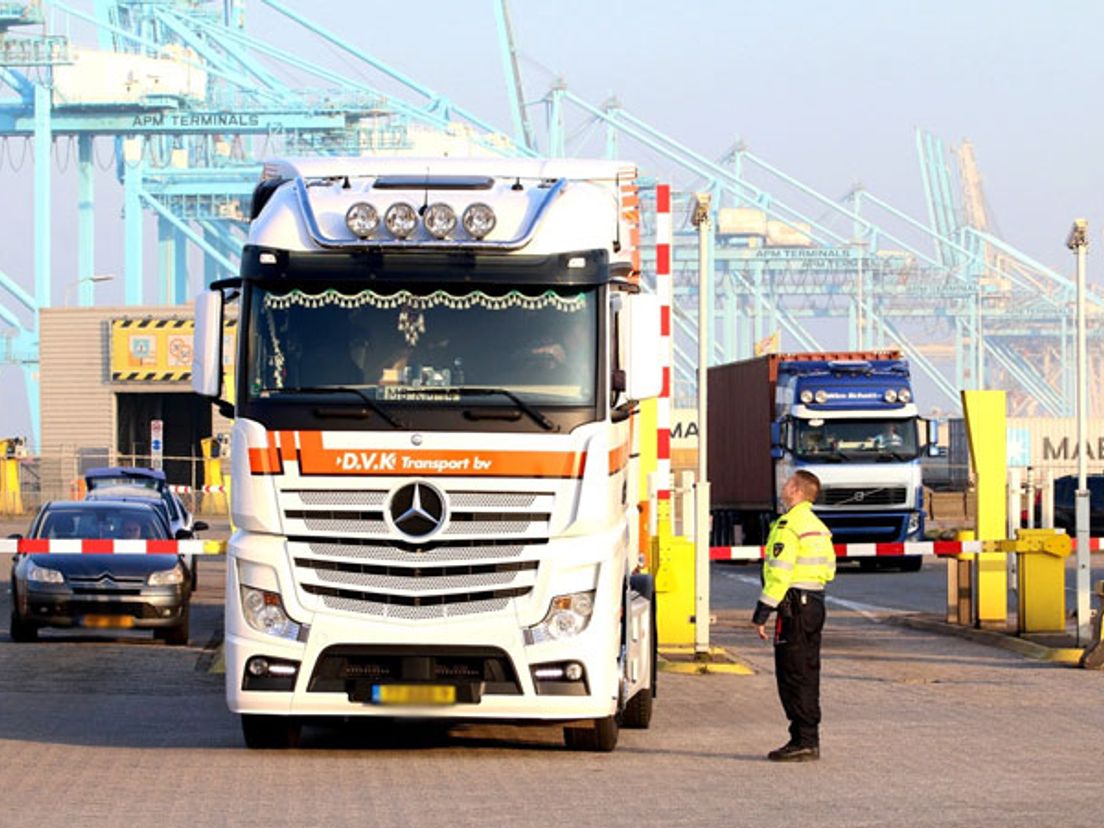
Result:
799,561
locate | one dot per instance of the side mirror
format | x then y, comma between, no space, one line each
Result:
200,526
182,534
933,438
776,435
640,356
207,346
15,536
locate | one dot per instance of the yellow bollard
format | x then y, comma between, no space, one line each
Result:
11,499
674,584
1041,579
214,503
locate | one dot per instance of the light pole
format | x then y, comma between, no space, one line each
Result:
1078,242
85,280
704,223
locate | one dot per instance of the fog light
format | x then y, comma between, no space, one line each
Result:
257,666
362,220
439,220
401,220
479,220
573,671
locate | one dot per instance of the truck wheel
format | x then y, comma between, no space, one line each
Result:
270,732
602,738
22,631
637,714
177,635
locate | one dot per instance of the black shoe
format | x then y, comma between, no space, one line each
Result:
794,753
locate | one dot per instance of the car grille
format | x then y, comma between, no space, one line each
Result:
340,668
863,496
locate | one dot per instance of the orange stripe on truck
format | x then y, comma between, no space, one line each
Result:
315,458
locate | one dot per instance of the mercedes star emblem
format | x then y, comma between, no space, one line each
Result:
417,509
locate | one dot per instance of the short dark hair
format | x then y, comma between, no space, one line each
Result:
808,483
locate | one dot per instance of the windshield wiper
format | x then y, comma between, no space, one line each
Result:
537,416
899,456
345,389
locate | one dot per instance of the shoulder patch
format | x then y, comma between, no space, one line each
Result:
777,550
781,523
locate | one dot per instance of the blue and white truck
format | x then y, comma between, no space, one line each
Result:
850,418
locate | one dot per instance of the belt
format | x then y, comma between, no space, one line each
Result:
818,594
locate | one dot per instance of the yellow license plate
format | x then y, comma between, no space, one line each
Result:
108,621
413,694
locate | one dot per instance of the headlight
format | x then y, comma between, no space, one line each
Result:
567,616
904,395
806,396
914,522
440,220
167,577
479,220
362,220
43,575
890,396
401,220
821,397
264,612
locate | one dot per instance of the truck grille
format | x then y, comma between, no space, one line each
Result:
863,496
397,580
348,556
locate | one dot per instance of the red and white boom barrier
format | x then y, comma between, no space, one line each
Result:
850,551
106,546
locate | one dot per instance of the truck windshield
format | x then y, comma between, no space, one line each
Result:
425,344
862,440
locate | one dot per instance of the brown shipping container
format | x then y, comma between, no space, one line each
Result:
741,407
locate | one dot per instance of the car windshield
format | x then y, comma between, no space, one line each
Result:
121,524
427,344
866,440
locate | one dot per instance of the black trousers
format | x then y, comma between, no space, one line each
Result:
797,663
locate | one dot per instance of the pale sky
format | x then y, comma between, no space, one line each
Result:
831,92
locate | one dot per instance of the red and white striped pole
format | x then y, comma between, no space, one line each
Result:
664,237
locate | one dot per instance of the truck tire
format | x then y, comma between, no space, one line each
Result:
601,738
270,732
637,714
177,635
22,631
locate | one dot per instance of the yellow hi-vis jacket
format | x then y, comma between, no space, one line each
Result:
798,554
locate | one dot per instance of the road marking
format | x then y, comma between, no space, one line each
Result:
871,612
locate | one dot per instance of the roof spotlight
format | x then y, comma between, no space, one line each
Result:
401,220
479,220
439,219
362,220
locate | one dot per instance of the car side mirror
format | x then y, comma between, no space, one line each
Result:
15,536
200,526
183,534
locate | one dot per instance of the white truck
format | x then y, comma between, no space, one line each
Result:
433,464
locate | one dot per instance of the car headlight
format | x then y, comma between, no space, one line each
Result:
264,612
913,522
567,616
43,575
167,577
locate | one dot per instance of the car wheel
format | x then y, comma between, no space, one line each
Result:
22,631
601,738
177,635
270,732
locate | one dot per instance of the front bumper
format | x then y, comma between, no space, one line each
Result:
60,606
485,657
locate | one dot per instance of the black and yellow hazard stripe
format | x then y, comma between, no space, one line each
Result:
151,376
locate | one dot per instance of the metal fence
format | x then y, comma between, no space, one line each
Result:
60,476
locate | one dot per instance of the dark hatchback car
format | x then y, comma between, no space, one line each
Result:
108,591
1065,504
